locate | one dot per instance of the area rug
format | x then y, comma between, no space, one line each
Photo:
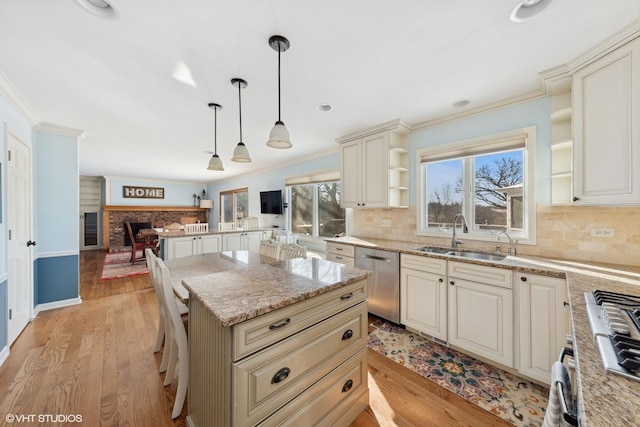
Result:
513,399
118,265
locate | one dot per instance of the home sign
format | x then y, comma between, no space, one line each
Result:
131,192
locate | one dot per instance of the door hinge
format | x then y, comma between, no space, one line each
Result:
9,155
10,314
9,234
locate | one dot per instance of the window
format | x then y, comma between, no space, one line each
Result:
315,209
234,205
489,180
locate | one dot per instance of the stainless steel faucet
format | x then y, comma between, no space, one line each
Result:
455,242
512,243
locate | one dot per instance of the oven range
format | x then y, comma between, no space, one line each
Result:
615,324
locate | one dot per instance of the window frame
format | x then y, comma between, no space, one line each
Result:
314,235
471,148
234,192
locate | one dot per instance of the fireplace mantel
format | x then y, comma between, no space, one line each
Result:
115,215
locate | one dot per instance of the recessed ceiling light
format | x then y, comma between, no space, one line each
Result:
324,108
461,103
100,8
526,9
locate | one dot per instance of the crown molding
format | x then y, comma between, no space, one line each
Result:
58,130
396,125
13,97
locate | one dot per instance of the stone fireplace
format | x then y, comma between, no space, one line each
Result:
114,218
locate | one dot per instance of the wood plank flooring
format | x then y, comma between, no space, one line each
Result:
96,360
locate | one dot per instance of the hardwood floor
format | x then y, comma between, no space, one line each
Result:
96,360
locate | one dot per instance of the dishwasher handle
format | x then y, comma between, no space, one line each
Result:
377,258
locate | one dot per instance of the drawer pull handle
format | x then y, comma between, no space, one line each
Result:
348,334
347,296
285,323
281,375
338,257
339,249
347,386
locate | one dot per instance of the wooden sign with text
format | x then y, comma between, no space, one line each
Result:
131,192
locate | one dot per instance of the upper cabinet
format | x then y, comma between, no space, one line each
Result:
606,128
561,142
375,168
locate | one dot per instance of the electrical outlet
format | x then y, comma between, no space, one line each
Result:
385,223
601,232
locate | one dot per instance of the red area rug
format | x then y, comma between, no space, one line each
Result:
118,265
511,398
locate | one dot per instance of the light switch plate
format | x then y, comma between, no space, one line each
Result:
602,232
385,223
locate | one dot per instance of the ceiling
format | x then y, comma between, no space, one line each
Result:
372,60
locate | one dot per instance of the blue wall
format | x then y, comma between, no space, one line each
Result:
58,278
532,113
175,193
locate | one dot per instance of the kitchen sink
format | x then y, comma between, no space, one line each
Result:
434,249
461,254
476,255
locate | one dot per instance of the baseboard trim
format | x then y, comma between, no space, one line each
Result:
56,304
4,354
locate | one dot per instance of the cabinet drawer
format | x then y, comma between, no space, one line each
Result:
327,400
262,331
343,259
340,249
423,263
480,273
269,379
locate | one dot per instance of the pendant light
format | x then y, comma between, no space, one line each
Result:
279,136
240,154
215,164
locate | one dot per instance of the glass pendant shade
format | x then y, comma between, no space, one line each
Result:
215,164
279,136
241,154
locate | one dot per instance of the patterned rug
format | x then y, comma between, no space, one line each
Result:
118,265
513,399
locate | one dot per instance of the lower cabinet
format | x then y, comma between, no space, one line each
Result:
338,252
304,364
178,247
481,314
423,295
244,241
543,323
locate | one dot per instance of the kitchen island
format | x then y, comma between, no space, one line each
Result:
282,342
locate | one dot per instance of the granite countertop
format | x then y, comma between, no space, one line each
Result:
604,399
181,233
241,294
203,264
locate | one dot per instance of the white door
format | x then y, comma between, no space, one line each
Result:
423,302
351,174
375,173
232,242
20,282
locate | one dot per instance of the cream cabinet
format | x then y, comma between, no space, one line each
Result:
606,131
481,311
543,323
304,364
375,168
423,295
339,252
178,247
243,241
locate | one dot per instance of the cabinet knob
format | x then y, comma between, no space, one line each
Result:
441,280
575,199
347,335
566,304
452,283
522,278
280,376
347,386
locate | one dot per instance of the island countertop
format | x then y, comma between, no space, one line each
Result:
241,294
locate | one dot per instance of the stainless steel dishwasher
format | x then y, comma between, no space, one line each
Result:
384,283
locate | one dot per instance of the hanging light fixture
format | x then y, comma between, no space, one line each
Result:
215,164
240,154
279,136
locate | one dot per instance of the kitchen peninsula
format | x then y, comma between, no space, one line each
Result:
282,342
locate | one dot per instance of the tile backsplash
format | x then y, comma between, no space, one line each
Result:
563,232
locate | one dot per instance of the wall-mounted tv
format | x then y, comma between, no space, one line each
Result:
271,202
